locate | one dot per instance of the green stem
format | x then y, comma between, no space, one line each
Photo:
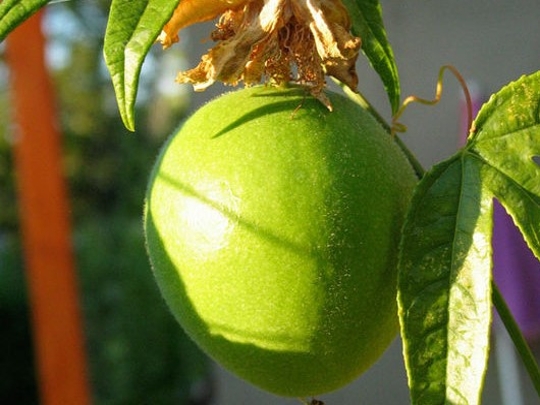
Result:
521,345
361,100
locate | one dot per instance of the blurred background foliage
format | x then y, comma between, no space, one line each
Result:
136,350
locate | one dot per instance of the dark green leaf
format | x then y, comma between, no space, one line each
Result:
14,12
367,23
132,28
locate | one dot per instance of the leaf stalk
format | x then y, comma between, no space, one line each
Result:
515,334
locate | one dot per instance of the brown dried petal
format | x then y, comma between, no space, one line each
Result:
228,59
329,23
264,38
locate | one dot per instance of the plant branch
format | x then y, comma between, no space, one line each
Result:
358,98
520,343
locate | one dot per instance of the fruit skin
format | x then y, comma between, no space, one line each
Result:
272,227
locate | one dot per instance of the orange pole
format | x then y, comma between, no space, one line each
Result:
45,224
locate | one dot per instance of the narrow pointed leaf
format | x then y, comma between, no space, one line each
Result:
367,23
507,138
132,28
444,284
14,12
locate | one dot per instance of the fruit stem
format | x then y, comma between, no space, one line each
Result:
514,331
358,98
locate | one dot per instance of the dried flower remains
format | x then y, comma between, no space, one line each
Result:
275,41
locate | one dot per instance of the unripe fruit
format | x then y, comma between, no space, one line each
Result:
272,226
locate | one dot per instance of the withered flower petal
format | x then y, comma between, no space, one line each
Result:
273,40
189,12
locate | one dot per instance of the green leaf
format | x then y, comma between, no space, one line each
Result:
132,28
444,284
14,12
367,23
506,136
445,252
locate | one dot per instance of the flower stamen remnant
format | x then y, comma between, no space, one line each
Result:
275,41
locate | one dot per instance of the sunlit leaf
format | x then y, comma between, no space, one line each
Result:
14,12
444,284
367,23
507,138
132,28
445,258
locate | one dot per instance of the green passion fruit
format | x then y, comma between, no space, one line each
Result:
272,226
